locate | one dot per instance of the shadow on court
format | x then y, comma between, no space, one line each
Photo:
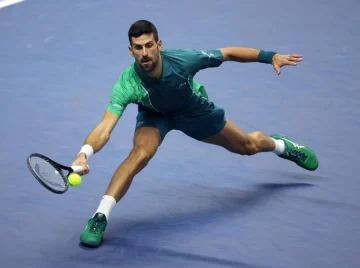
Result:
132,251
222,203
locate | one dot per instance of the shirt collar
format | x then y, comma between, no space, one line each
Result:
165,71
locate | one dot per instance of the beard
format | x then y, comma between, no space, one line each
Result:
147,65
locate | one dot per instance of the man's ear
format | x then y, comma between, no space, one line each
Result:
159,44
131,51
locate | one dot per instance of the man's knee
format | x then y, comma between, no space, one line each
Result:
146,142
141,155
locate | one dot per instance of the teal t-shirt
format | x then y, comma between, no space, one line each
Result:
175,92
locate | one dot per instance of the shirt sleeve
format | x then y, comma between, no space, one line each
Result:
121,95
197,60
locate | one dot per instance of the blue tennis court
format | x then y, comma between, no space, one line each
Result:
194,205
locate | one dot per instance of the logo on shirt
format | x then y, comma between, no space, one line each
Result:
207,54
117,106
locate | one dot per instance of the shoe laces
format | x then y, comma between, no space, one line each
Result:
297,155
95,226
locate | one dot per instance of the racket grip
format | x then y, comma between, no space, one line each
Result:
77,169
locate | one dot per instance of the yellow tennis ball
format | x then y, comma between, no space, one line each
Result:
74,179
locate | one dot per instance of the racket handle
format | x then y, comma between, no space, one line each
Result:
77,169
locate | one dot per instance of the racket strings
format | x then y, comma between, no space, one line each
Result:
48,173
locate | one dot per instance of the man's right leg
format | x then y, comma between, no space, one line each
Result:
149,134
146,142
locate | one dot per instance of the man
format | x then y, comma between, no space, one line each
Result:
161,83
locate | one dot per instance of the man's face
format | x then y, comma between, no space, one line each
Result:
146,51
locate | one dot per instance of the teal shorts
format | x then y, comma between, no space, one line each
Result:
199,125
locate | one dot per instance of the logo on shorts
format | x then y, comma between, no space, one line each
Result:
182,85
139,123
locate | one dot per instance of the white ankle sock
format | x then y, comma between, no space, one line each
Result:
106,205
279,146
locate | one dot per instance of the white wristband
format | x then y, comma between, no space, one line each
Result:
87,150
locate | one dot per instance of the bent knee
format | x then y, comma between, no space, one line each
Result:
141,155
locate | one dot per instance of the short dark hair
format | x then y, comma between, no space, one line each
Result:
141,27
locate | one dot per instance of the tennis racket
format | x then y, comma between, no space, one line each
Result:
50,174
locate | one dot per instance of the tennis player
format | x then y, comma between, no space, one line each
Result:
161,82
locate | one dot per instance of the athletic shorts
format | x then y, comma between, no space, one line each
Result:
200,125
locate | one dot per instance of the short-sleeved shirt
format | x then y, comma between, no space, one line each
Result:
175,92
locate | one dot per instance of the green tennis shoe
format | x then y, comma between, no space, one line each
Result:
299,154
92,235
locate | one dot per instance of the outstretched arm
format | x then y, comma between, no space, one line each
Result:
244,54
96,139
121,95
100,135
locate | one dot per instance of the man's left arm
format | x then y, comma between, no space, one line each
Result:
243,54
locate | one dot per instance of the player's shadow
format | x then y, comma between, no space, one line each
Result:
295,176
131,254
222,203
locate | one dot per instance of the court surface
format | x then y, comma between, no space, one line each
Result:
195,205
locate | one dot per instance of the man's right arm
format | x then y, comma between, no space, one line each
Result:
96,140
100,135
121,96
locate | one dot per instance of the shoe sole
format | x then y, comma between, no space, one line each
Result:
92,244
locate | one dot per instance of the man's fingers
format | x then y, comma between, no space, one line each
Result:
293,63
84,172
283,60
277,69
85,169
297,59
288,62
294,57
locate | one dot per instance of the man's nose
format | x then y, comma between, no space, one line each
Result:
144,51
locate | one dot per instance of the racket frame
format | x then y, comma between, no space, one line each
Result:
58,167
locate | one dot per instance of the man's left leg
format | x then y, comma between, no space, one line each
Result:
215,129
235,140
